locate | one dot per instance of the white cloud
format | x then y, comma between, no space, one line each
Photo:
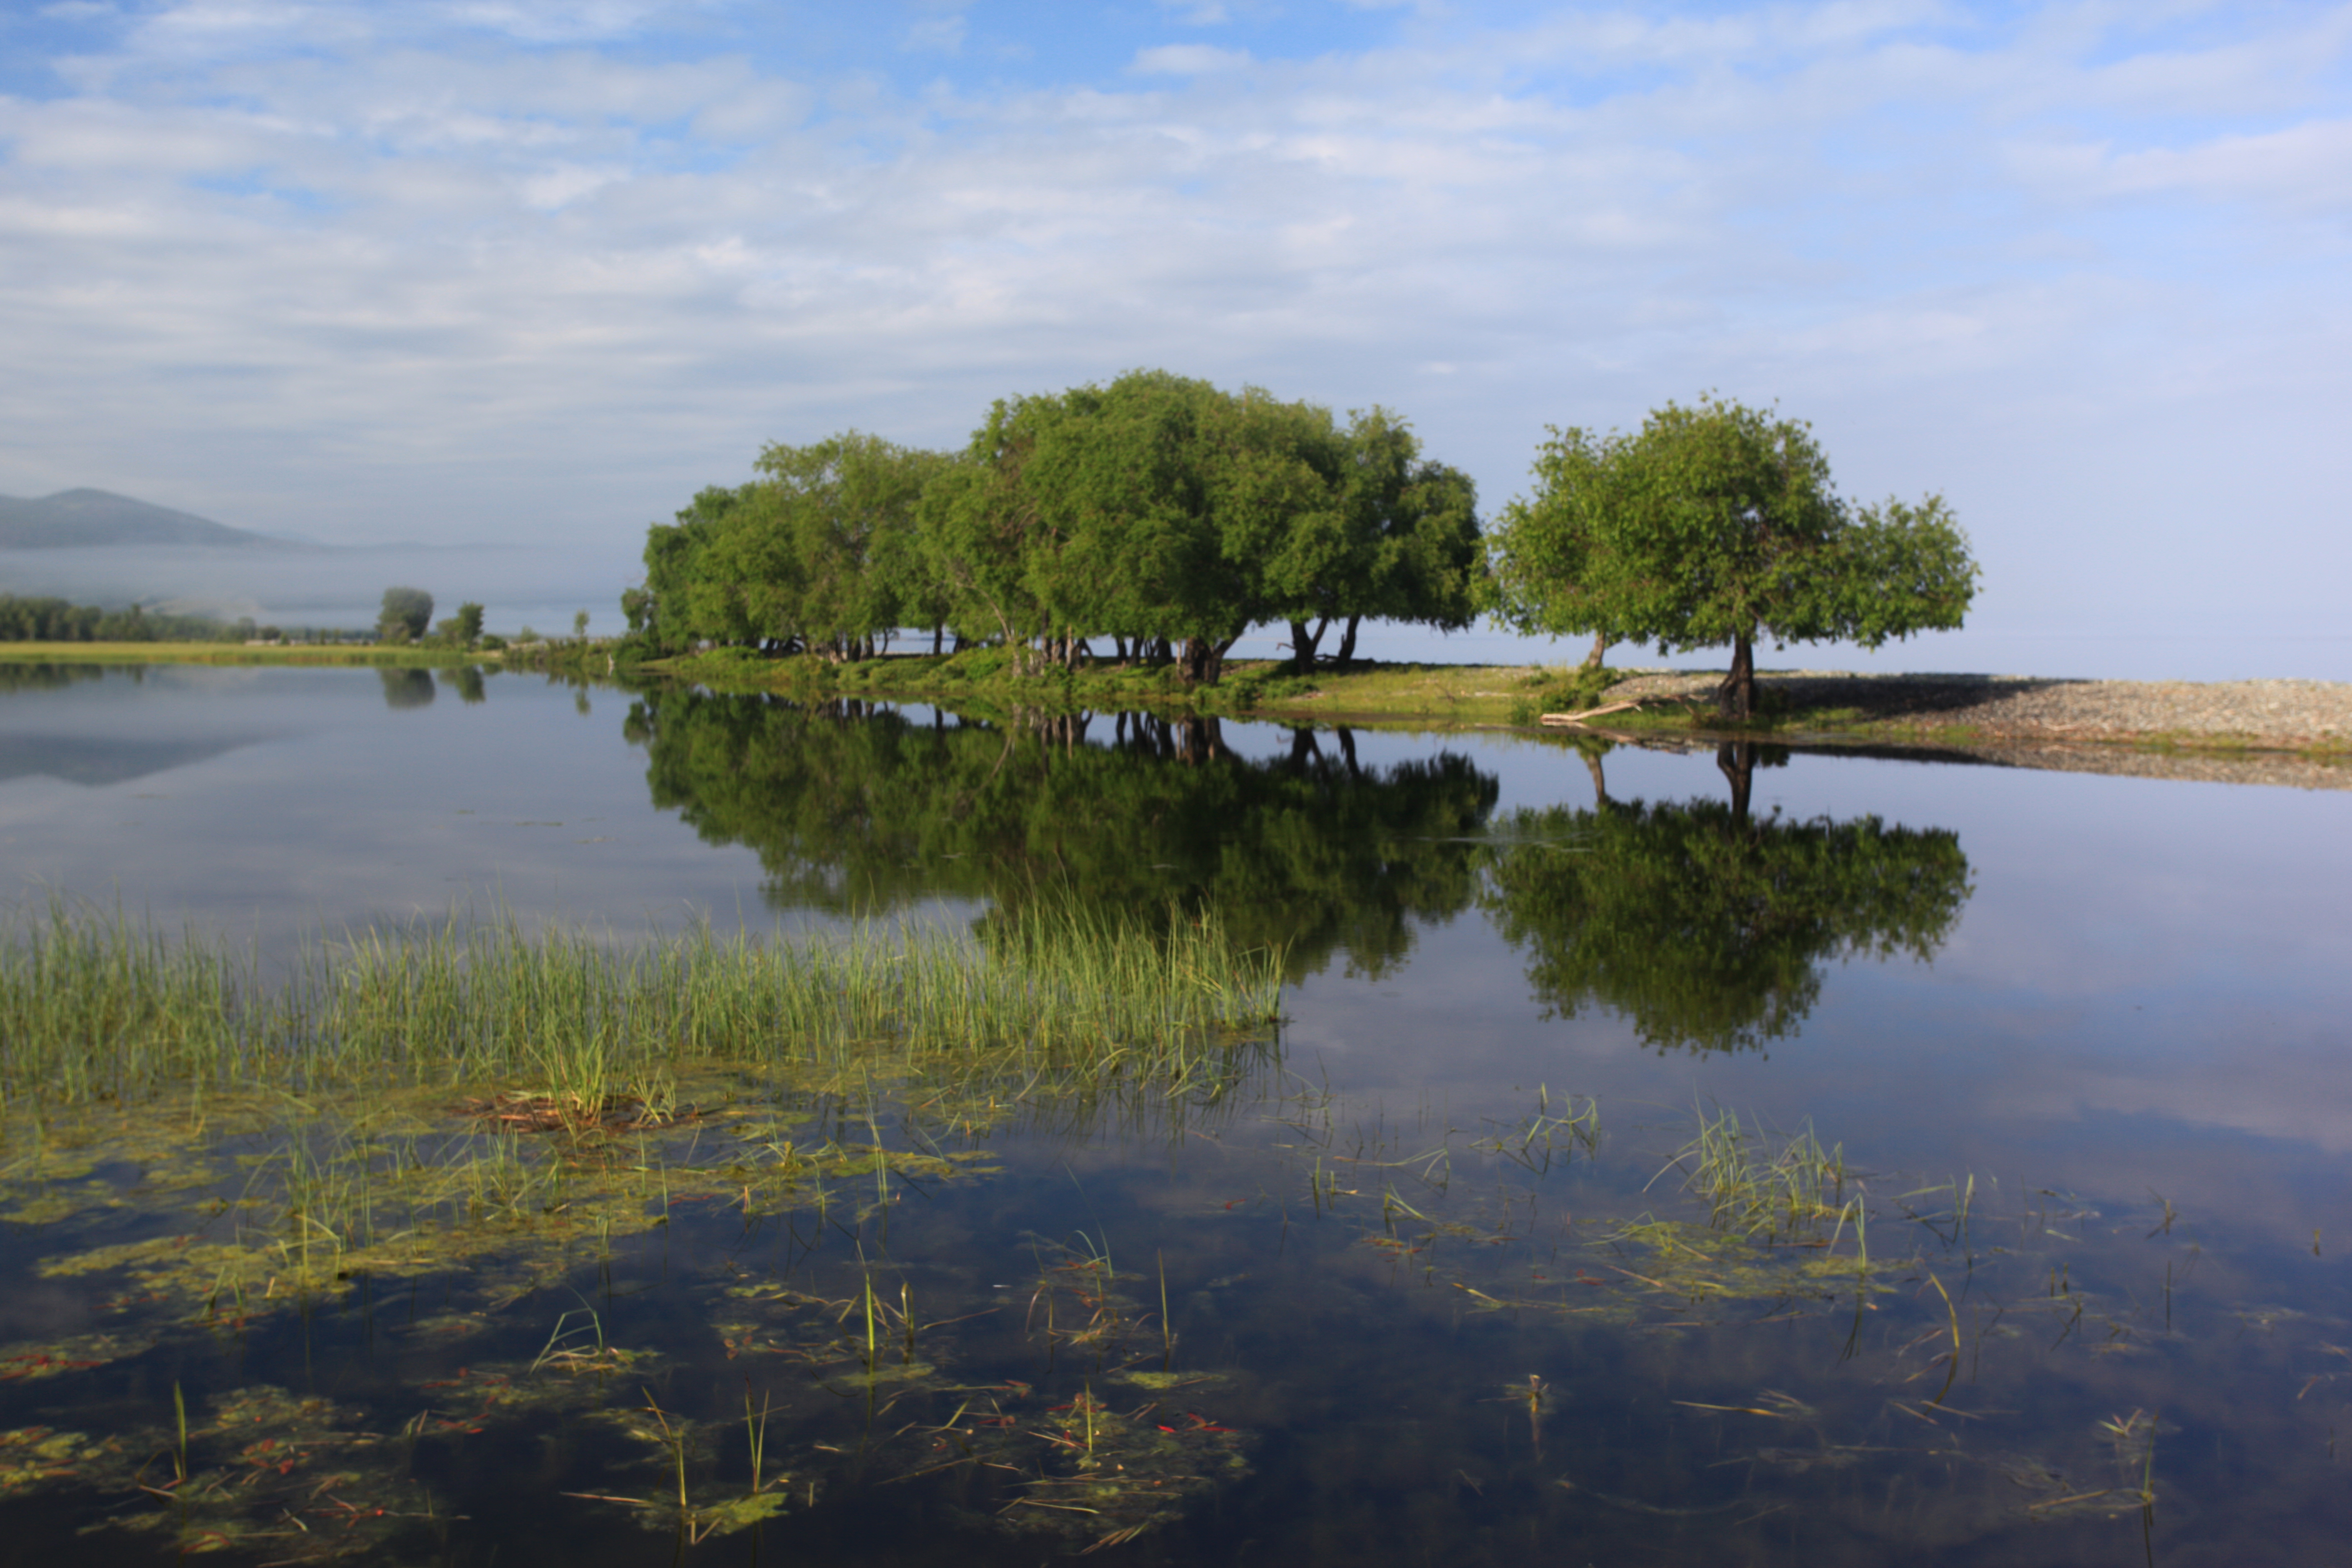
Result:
1188,60
939,34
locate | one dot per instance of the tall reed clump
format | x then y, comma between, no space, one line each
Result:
93,1006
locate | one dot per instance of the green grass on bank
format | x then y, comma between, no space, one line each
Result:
983,679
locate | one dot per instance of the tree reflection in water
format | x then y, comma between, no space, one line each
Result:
1702,925
858,811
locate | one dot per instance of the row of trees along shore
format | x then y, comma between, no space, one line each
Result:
1168,518
36,618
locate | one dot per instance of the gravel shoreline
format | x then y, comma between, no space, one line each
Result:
2291,732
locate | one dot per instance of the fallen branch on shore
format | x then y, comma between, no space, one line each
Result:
1587,713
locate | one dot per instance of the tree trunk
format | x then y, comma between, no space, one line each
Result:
1599,648
1303,643
1203,740
1735,698
1347,750
1204,660
1735,760
1119,645
1346,659
938,635
1600,783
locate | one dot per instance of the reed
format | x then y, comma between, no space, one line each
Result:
1755,1189
95,1007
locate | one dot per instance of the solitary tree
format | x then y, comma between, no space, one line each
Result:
1718,524
406,613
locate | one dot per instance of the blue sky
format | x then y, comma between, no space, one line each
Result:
531,273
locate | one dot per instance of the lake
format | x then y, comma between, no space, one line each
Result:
1661,1156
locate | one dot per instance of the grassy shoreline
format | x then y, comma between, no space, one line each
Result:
1466,696
1855,710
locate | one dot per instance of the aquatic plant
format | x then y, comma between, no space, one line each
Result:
95,1008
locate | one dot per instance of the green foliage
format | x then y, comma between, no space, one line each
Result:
1563,691
1157,512
405,614
1714,524
37,620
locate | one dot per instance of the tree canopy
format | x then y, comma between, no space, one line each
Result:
1157,512
1718,524
406,613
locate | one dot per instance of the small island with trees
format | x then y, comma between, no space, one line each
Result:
1164,518
1104,548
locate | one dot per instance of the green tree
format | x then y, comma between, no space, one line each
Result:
724,573
1401,544
1718,524
469,623
405,613
848,510
1702,927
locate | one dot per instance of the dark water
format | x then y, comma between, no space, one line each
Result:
1435,1289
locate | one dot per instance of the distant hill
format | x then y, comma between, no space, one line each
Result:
86,518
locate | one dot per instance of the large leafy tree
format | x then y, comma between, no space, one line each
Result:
1397,541
1156,506
846,509
405,613
1156,510
1718,524
723,571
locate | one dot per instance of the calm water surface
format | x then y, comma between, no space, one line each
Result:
1424,1285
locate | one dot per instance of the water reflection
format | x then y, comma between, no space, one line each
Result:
406,688
1702,925
466,680
856,812
51,677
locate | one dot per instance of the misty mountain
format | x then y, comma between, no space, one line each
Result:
87,519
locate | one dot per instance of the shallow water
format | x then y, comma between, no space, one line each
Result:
1435,1288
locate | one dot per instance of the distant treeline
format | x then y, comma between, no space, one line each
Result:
24,619
1158,513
